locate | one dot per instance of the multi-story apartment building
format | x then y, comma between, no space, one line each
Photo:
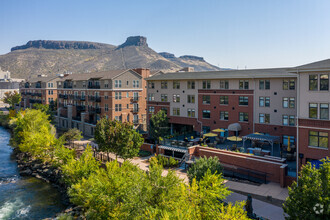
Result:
39,90
284,102
313,112
202,101
118,94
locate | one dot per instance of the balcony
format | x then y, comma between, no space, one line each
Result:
135,99
135,110
80,108
65,96
94,110
77,118
26,86
136,121
98,110
39,94
67,86
76,97
38,86
92,86
82,98
97,99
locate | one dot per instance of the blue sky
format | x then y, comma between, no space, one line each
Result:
235,33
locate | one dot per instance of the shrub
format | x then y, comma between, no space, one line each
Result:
143,153
202,165
163,161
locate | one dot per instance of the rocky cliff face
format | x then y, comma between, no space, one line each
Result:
134,41
50,44
58,57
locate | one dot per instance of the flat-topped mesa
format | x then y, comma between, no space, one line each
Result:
191,57
51,44
134,41
167,55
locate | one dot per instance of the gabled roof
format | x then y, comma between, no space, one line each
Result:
323,64
42,79
111,74
225,74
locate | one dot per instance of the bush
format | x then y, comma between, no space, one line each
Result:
163,161
202,165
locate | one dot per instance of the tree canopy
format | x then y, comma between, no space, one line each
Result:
311,198
12,98
158,126
202,165
72,135
118,138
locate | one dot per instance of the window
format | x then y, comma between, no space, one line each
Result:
324,111
318,139
285,84
206,114
117,107
224,116
313,82
135,96
127,82
292,120
206,84
117,83
106,84
151,97
291,102
106,107
224,84
206,99
285,120
176,98
118,118
223,100
244,84
163,85
267,101
84,84
261,101
264,84
312,110
264,118
163,97
243,100
176,111
191,98
285,102
164,109
243,116
191,84
292,85
151,85
127,94
50,92
191,112
136,84
176,85
151,109
117,95
127,106
324,82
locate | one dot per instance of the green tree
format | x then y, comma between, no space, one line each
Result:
310,199
77,169
12,98
72,135
158,127
202,165
118,138
45,108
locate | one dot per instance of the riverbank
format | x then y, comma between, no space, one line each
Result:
30,167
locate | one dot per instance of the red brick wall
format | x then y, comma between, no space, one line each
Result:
233,108
312,152
270,166
147,147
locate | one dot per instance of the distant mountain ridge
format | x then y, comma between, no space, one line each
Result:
52,57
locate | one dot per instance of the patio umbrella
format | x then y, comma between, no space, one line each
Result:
258,133
210,135
234,138
218,130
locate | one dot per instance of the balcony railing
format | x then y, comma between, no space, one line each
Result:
38,86
136,121
82,98
135,98
135,110
91,86
65,96
67,86
39,94
77,118
94,110
81,108
98,99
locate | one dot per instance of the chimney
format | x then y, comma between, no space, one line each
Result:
145,73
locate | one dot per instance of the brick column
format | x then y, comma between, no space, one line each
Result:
69,116
83,115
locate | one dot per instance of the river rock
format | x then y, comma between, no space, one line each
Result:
26,172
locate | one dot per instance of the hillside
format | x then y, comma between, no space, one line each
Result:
56,57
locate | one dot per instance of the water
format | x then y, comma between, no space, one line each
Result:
23,197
